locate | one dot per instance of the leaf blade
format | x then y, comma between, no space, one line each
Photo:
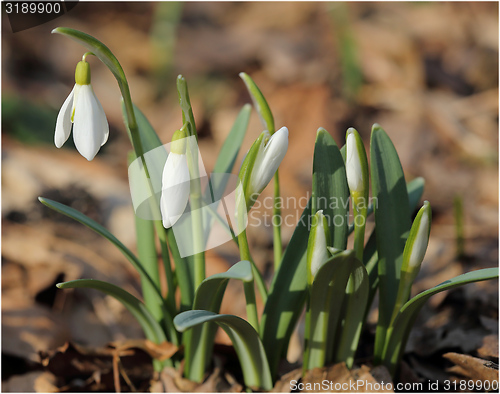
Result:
245,340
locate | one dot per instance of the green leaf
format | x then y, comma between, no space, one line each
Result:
185,103
223,166
327,293
151,328
406,318
198,352
93,225
147,133
260,103
415,190
287,294
246,342
232,144
329,189
392,221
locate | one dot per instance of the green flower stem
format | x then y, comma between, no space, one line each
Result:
278,247
197,220
195,195
359,230
170,297
249,287
182,273
252,316
404,292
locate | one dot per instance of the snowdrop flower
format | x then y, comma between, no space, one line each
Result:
416,244
84,111
262,162
175,181
356,165
317,245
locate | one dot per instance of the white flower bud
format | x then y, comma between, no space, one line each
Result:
356,162
269,156
317,246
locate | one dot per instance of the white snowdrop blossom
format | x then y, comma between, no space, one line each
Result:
83,110
271,152
175,182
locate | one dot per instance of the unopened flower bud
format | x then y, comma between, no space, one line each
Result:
356,165
416,244
262,162
317,246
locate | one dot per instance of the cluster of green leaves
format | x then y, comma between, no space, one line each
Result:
341,293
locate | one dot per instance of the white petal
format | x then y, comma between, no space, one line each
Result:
63,122
103,122
175,189
353,165
88,132
268,160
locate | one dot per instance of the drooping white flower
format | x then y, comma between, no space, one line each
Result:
271,151
317,245
83,110
175,182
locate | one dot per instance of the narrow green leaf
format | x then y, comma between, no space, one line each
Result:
146,248
246,342
93,225
147,133
392,221
260,103
152,329
223,167
329,189
232,144
408,314
185,103
415,190
326,298
198,351
287,293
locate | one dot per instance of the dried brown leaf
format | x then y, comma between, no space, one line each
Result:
471,367
339,378
490,347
